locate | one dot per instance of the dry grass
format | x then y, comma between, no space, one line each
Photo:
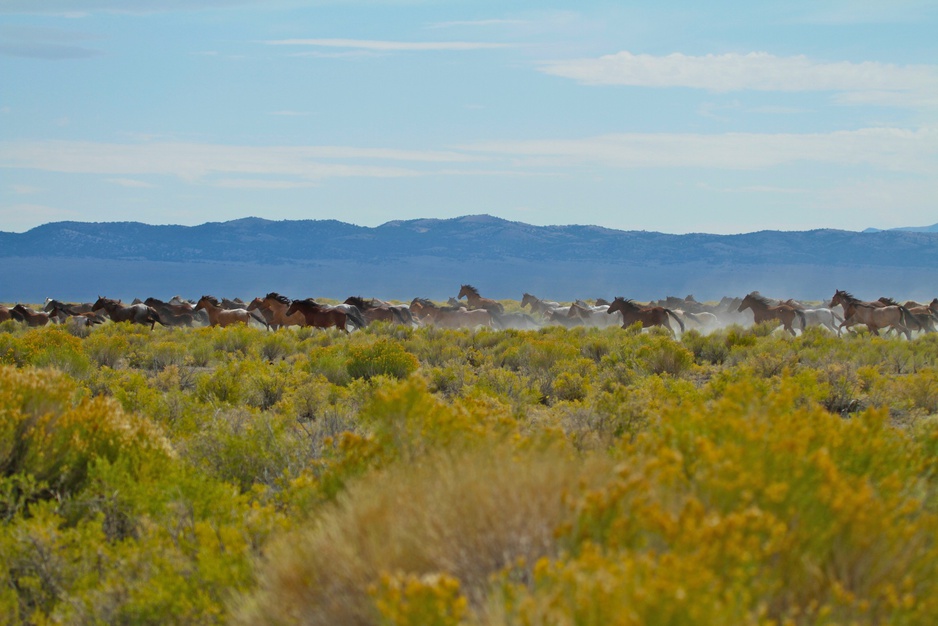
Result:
468,517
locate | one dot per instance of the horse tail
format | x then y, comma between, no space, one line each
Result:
804,320
680,322
355,315
260,318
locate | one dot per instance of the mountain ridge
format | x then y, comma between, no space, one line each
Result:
419,256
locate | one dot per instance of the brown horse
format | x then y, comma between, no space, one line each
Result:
61,313
324,316
274,307
377,311
28,316
133,313
5,314
763,311
921,316
478,302
449,317
648,316
219,316
874,316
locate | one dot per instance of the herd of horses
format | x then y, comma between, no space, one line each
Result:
274,311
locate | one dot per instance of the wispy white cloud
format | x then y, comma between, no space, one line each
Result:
489,22
131,182
193,161
758,71
883,148
25,190
389,46
261,184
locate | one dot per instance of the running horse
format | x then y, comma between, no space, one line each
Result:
28,316
648,316
219,316
274,307
478,302
449,317
133,313
763,311
376,310
324,316
874,315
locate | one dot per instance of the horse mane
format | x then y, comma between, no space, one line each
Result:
629,303
889,301
755,295
846,295
424,302
273,295
474,291
357,301
212,300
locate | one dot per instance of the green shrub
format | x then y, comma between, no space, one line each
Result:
381,358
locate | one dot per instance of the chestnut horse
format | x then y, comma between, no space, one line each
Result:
324,316
133,313
218,316
873,315
378,311
31,318
274,308
449,317
763,311
648,316
478,302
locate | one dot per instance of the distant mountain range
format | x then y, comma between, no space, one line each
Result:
432,257
909,229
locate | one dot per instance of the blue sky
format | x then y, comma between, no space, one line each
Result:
718,117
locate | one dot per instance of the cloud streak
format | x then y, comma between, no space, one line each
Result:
390,46
757,71
912,152
882,148
191,161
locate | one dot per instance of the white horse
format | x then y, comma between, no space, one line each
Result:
823,317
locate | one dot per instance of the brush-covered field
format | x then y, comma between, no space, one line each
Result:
424,476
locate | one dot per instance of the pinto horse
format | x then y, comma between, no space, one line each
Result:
274,307
763,311
219,316
324,316
478,302
873,315
648,316
133,313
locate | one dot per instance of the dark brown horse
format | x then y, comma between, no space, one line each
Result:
133,313
764,311
478,302
324,316
378,311
874,316
648,316
28,316
62,312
